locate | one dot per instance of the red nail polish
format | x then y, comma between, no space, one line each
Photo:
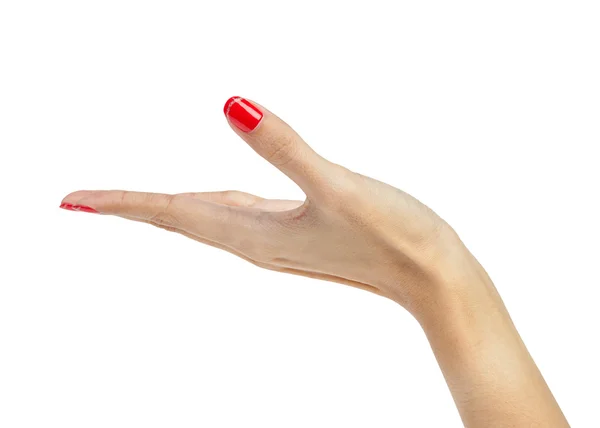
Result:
242,113
82,208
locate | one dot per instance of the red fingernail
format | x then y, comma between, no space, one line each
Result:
82,208
242,113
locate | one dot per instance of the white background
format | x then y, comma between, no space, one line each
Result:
486,111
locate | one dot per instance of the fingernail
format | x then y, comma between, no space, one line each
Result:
242,113
82,208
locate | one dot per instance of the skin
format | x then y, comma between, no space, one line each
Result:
364,233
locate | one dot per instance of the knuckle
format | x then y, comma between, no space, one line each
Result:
163,219
231,194
344,191
122,198
281,151
237,198
166,215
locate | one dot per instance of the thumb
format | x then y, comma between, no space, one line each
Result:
278,143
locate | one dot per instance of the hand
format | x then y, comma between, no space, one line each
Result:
361,232
350,229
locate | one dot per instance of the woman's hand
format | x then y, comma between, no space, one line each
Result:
359,231
350,229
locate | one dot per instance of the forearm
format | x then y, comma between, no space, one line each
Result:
492,378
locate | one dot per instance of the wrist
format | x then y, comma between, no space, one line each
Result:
440,279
